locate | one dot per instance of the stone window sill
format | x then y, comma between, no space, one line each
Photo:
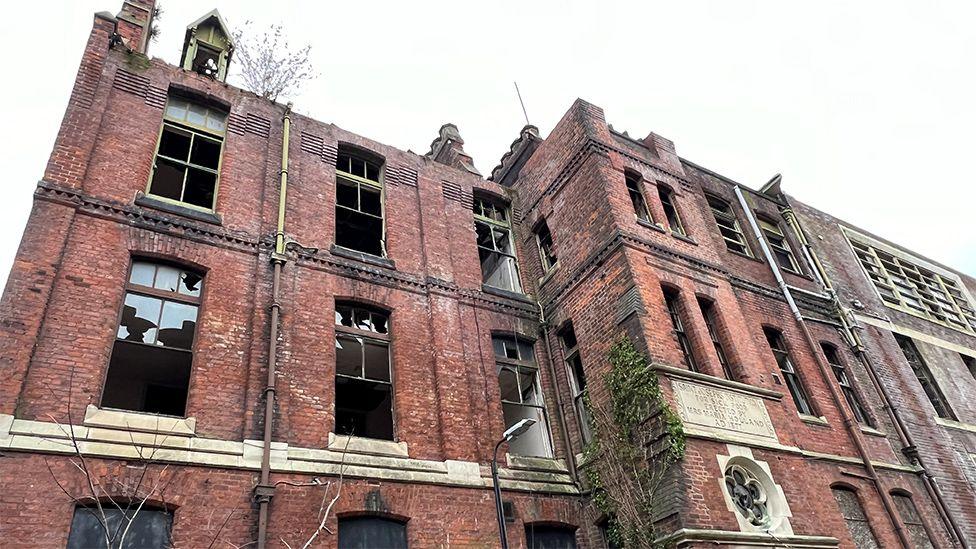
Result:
684,238
656,226
956,424
505,293
148,201
139,421
872,431
370,259
813,420
531,463
362,445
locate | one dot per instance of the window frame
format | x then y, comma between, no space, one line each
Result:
493,224
164,296
863,518
779,244
548,259
667,197
194,130
915,520
117,508
635,190
359,182
791,376
518,366
578,389
843,378
925,378
710,315
371,336
732,225
672,302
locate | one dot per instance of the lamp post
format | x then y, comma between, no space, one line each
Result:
512,432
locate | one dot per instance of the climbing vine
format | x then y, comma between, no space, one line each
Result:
637,437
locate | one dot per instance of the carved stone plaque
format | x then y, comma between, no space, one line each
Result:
717,410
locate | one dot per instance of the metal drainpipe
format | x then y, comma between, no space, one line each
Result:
849,423
265,490
563,430
904,436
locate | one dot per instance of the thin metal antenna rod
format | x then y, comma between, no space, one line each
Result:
521,103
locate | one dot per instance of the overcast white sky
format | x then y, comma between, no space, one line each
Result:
867,108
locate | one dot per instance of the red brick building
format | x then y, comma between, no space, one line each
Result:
229,311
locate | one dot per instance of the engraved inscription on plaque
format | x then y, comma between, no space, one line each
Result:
716,409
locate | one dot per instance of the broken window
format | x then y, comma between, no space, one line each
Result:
146,529
150,366
633,181
671,301
544,239
371,533
925,378
359,205
207,60
708,312
970,363
518,378
902,283
492,224
779,245
913,521
790,375
670,210
857,521
187,163
577,379
728,225
364,383
544,536
846,387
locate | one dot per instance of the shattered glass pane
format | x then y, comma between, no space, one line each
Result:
140,315
177,324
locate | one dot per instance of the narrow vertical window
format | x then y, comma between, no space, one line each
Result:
371,533
359,205
127,529
187,163
846,387
790,375
925,378
543,239
913,522
670,210
577,379
708,311
671,301
518,378
970,363
153,352
364,383
728,226
857,521
637,196
779,245
492,224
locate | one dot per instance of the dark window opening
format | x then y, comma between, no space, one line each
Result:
857,521
207,60
779,246
688,355
970,363
549,537
371,533
728,226
670,210
544,240
360,224
577,380
708,311
925,378
364,383
637,196
499,267
846,386
790,375
153,352
147,529
521,395
188,157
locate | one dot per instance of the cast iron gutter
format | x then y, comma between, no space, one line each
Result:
850,423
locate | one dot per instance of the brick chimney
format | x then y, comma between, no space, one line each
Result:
135,23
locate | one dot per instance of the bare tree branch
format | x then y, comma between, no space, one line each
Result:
268,66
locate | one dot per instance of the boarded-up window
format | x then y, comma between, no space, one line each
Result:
913,522
857,522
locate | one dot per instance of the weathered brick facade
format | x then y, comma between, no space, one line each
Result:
92,215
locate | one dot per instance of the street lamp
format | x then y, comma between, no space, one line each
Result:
512,432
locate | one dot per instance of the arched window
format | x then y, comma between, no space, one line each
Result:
670,209
577,379
913,521
846,385
633,182
371,533
150,366
492,223
672,302
521,392
149,528
544,536
364,381
857,521
711,322
792,378
543,239
359,203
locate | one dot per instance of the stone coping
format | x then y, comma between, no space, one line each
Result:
721,382
686,537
